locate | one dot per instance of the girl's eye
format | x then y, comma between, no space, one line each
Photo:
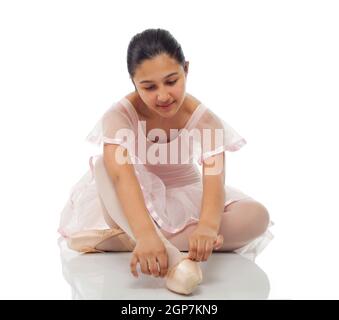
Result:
172,82
169,82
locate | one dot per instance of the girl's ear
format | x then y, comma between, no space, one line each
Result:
186,67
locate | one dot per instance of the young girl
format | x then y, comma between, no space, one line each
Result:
146,185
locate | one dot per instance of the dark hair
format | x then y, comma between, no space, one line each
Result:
150,43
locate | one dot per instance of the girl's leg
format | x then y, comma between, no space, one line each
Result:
242,222
114,215
117,244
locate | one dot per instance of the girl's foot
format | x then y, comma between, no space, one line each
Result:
114,239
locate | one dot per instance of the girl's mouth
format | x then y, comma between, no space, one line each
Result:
167,106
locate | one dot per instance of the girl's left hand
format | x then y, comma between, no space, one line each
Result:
202,241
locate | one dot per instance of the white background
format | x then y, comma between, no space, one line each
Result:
268,68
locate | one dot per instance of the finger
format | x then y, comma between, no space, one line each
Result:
219,242
200,250
133,265
193,250
208,251
163,264
144,266
153,266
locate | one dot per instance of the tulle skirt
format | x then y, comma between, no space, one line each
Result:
171,208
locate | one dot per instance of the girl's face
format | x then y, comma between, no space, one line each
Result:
161,84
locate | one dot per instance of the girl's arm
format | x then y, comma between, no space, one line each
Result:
213,191
150,251
128,191
205,237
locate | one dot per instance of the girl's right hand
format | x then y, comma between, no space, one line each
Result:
150,252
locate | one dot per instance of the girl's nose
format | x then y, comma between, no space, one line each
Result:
164,98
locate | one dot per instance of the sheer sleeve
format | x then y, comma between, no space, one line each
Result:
113,127
216,136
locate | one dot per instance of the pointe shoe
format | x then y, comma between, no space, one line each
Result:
87,241
184,277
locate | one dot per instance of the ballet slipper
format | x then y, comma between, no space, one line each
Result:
87,241
184,277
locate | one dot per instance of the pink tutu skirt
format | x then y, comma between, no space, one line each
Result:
83,210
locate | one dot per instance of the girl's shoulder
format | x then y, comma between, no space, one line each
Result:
193,103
